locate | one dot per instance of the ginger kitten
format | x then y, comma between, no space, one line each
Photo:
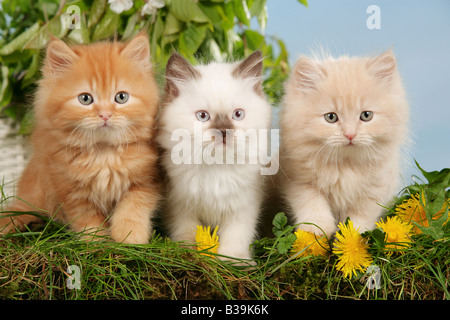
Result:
342,126
93,163
213,104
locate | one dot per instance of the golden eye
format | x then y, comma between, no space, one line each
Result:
331,117
366,116
85,99
121,97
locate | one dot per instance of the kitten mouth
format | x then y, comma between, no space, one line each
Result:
105,124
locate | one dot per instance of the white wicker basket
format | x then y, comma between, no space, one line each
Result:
13,156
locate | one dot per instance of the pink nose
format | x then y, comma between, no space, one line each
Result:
350,136
105,116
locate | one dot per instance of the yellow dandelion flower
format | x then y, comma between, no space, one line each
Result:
314,246
352,250
207,241
398,233
413,209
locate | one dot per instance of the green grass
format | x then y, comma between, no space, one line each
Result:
33,265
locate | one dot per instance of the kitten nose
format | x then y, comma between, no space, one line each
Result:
350,136
105,115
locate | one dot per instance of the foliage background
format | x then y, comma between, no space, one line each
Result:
220,30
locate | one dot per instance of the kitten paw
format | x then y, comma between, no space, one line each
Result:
319,229
130,236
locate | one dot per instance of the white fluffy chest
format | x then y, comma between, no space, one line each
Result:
218,189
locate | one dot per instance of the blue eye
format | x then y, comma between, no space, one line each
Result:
202,115
238,114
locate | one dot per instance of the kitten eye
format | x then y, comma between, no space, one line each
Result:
202,116
366,116
331,117
238,114
121,97
85,98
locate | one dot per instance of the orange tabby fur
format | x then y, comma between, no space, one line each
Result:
85,174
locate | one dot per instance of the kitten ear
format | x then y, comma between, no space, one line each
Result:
306,74
383,67
251,68
138,50
58,58
178,70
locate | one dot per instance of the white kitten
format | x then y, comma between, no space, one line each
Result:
342,125
205,185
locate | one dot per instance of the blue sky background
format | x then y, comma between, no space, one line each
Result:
419,33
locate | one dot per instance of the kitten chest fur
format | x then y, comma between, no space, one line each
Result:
215,193
102,176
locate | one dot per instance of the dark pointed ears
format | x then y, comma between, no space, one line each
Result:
178,71
251,68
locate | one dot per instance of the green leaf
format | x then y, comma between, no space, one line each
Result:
214,50
430,176
5,88
303,2
27,124
96,12
259,9
280,220
254,39
173,25
191,39
187,10
242,12
214,12
32,71
17,43
285,243
55,27
130,29
107,27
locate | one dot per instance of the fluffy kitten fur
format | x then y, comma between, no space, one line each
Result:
226,195
93,165
331,171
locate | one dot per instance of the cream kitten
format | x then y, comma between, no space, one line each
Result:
342,125
213,102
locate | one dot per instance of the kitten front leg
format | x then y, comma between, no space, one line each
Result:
309,206
182,223
365,215
84,217
9,224
237,233
131,219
